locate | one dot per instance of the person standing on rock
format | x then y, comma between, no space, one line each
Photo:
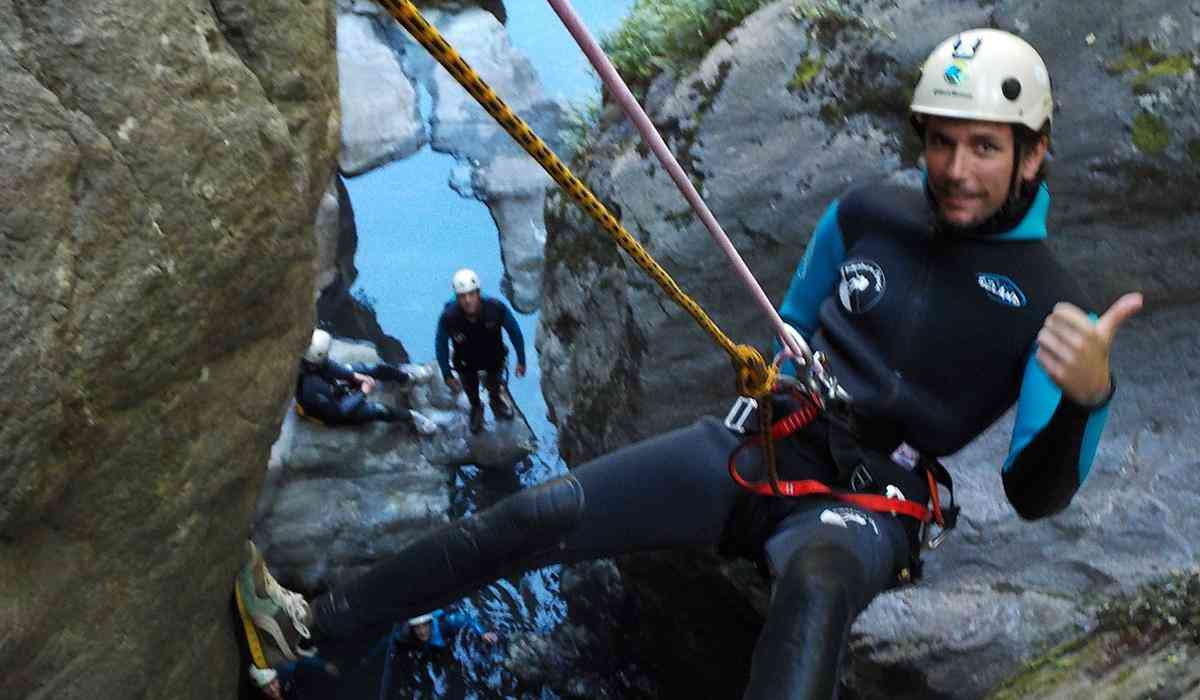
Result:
335,393
937,308
471,325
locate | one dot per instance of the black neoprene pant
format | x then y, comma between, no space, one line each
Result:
668,491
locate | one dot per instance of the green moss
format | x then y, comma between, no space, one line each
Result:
1150,134
1040,674
1148,66
1171,66
660,35
1193,149
808,69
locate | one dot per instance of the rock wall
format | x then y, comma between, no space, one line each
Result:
385,72
780,118
163,166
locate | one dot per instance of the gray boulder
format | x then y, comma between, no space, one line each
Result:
338,499
381,118
780,118
164,164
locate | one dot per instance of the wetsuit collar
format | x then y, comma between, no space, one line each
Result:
1030,226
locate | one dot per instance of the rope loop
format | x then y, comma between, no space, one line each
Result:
755,378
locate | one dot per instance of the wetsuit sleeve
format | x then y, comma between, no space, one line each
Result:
441,346
1053,444
514,333
455,621
815,277
338,370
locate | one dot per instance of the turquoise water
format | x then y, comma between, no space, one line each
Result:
414,232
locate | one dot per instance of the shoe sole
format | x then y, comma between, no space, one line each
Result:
271,627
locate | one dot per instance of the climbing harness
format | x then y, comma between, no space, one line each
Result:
811,404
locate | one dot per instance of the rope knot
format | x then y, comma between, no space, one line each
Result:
755,378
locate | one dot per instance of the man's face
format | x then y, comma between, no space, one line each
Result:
970,167
424,630
469,302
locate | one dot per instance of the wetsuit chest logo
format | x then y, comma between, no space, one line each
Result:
460,337
1001,289
861,285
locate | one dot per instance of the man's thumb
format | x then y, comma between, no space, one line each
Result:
1118,313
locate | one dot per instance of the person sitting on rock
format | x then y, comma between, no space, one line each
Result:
937,309
335,393
471,324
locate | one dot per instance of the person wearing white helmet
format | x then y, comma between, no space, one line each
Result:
335,393
469,340
937,309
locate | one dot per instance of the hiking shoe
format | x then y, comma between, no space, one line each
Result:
500,406
476,422
274,609
423,425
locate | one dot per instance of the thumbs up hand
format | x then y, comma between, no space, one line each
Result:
1074,351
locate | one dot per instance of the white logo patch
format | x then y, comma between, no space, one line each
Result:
861,286
840,517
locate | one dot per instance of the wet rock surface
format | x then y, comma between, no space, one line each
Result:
779,119
337,499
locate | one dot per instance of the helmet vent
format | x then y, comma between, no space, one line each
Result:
1011,88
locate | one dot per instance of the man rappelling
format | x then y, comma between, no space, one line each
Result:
936,309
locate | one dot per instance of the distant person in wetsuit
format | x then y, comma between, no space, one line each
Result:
335,393
471,326
938,309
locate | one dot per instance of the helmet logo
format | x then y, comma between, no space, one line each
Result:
954,74
861,285
960,52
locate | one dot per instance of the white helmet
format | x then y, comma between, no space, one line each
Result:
988,75
465,281
421,619
318,347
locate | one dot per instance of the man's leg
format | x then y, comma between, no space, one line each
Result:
671,490
831,560
371,411
469,376
498,394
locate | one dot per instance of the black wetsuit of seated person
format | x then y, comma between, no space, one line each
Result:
829,559
329,392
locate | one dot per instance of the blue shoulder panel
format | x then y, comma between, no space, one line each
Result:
816,277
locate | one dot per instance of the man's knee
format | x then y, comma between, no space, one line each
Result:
553,506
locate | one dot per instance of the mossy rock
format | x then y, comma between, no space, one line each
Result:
1151,134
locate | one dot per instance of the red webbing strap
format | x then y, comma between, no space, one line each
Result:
812,487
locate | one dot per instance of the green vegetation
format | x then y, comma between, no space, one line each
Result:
808,69
674,35
581,129
1150,134
1148,65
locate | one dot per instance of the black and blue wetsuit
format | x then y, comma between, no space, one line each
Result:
934,336
477,343
931,334
329,393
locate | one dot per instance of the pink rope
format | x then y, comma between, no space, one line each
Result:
634,111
